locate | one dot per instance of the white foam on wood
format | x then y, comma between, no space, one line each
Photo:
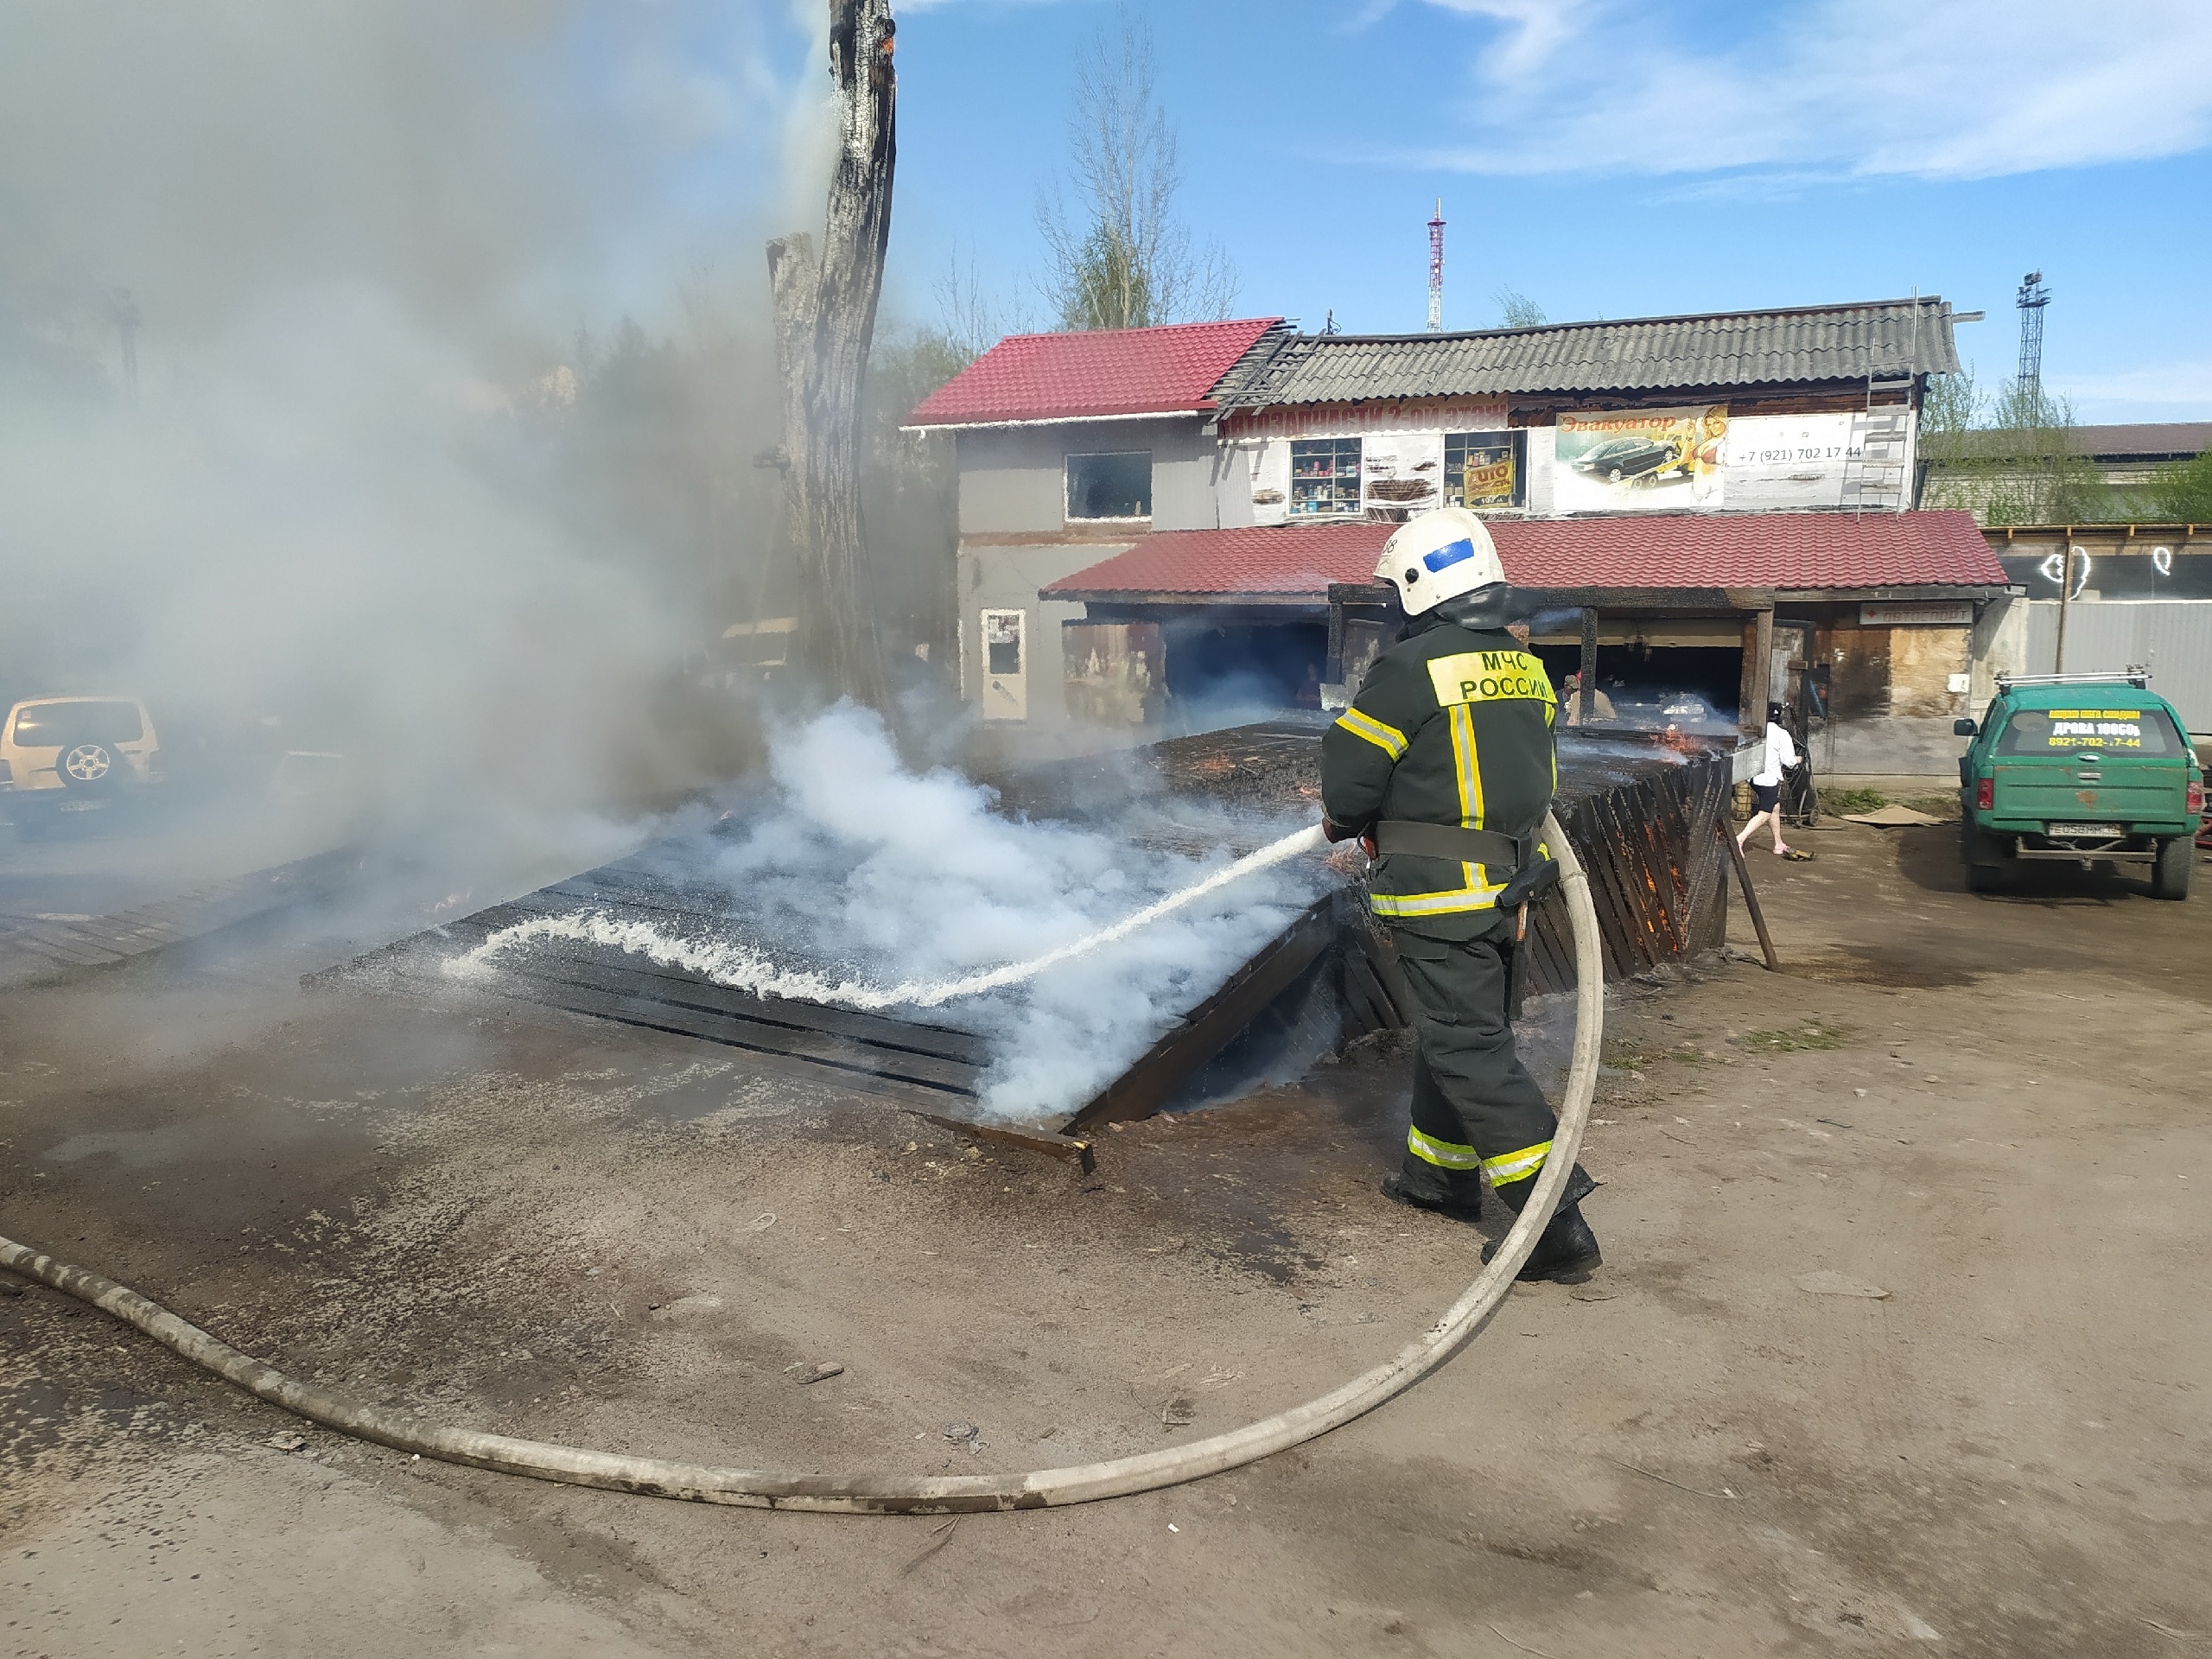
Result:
741,968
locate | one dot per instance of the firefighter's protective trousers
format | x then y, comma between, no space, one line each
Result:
1454,726
1475,1105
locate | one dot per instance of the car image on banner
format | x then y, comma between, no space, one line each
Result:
1641,460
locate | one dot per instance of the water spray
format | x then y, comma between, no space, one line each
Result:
868,1494
740,968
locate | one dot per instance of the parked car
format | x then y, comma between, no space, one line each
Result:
2079,767
1620,458
63,753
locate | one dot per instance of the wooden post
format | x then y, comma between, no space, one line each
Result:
1586,700
1758,655
824,323
1750,898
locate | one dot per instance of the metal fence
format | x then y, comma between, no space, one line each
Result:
2170,637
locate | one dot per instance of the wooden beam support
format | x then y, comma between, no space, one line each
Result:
1067,1149
1586,700
1758,650
1213,1025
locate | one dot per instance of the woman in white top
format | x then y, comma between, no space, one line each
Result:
1766,784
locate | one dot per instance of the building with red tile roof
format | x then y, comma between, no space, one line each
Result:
1103,374
1722,503
1876,554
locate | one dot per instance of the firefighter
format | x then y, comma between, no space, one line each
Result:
1444,767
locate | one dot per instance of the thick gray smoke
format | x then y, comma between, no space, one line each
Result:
859,873
912,877
368,491
321,431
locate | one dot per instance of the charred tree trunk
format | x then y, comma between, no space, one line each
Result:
825,321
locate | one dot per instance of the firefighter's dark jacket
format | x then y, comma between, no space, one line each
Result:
1454,726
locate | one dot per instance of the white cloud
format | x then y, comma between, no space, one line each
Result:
2181,391
1937,89
1536,31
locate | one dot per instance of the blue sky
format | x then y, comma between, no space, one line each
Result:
538,164
1608,157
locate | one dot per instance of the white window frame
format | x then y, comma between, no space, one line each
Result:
1067,487
1358,508
1516,441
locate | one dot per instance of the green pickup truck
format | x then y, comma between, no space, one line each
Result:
2092,768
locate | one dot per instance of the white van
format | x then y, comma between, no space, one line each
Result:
70,752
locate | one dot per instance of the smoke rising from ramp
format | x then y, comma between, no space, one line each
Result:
866,884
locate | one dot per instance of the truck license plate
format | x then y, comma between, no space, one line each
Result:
2080,830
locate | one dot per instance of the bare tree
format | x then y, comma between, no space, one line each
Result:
2010,456
969,320
1123,260
1516,310
825,322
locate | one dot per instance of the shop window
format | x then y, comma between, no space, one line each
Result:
1110,486
1483,469
1324,477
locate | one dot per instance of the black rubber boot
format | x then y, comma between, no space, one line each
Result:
1445,1192
1568,1249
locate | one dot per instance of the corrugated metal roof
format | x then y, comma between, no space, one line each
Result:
1797,551
2155,441
1725,349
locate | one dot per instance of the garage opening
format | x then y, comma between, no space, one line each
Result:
1225,673
1652,687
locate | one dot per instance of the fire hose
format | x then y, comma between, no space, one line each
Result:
866,1494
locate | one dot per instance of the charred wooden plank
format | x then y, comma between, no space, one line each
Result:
942,1079
1364,994
1210,1028
801,1020
1070,1149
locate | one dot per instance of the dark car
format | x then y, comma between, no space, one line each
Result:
1620,458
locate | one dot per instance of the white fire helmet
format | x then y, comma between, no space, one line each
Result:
1440,555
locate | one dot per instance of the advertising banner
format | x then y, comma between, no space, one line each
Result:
1403,472
1641,460
1480,470
1490,479
1269,461
1784,462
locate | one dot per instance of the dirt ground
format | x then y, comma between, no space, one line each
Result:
1990,1109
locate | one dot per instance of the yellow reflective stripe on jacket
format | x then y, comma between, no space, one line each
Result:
1510,1166
1479,896
1489,676
1468,761
1388,739
1444,1155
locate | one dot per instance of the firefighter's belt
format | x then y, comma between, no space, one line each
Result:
1504,855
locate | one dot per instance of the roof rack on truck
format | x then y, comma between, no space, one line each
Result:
2138,677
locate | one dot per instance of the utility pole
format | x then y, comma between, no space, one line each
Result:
2031,299
2066,600
825,322
1436,269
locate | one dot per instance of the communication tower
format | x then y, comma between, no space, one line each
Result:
2031,299
1436,269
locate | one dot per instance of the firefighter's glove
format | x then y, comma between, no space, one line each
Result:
1529,885
1335,831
